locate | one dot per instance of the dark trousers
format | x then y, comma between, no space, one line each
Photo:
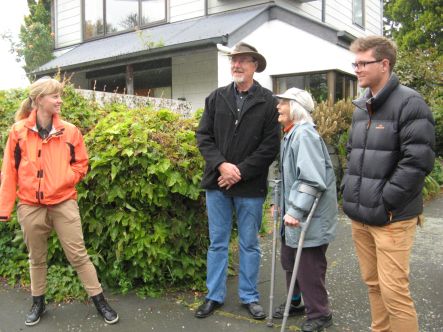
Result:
310,277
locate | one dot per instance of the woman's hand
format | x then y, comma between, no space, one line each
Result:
291,221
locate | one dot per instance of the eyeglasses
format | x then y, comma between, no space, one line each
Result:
241,61
362,64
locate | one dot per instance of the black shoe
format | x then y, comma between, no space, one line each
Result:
316,324
207,308
103,308
294,310
256,310
37,310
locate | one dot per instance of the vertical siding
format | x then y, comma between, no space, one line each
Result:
194,76
185,9
67,23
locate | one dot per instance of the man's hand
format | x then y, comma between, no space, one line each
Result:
291,221
229,175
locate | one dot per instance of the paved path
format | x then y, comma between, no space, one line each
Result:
175,312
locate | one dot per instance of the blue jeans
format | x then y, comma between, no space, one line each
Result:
249,217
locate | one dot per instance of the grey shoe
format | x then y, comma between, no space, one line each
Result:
256,310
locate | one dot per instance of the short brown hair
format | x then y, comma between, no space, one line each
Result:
383,48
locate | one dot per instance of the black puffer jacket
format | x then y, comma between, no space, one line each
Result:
251,142
390,151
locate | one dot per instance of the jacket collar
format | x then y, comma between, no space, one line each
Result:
31,122
368,102
228,95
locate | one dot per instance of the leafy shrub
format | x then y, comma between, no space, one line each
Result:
143,212
434,181
332,120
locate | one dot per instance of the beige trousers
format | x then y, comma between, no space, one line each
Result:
37,223
383,254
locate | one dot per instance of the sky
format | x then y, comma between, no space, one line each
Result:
12,74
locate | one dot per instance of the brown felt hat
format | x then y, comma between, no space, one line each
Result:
246,49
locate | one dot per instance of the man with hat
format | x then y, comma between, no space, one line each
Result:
238,137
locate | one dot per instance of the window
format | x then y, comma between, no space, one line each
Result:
94,22
323,86
358,12
121,15
153,11
102,17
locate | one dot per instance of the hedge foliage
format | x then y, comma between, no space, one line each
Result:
142,198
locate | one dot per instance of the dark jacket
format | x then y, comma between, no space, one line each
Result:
390,152
251,142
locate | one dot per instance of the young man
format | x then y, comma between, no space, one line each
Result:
238,137
390,151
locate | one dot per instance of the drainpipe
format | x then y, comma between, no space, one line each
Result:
381,17
323,10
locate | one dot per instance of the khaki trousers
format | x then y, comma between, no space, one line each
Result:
37,223
383,254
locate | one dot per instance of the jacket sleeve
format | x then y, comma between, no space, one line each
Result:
79,164
417,142
205,136
310,170
259,161
8,187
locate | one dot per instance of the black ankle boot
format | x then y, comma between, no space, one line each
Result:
104,309
37,310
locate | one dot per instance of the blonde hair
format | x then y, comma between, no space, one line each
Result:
42,87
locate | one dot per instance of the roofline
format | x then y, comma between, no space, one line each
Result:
137,57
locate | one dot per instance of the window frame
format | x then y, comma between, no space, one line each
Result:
331,81
363,14
106,34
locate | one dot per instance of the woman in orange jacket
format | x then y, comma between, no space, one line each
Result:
44,159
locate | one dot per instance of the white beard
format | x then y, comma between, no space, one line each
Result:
238,79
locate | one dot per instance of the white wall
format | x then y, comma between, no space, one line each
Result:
339,15
217,6
194,76
289,50
185,9
67,23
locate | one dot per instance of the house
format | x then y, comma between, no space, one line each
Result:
175,48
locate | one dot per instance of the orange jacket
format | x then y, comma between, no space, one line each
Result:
41,171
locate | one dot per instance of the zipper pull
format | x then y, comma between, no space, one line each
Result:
236,122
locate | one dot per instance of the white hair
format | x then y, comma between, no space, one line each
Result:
298,113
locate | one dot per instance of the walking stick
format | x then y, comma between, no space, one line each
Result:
304,226
274,245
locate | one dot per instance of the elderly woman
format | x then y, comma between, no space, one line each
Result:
305,163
